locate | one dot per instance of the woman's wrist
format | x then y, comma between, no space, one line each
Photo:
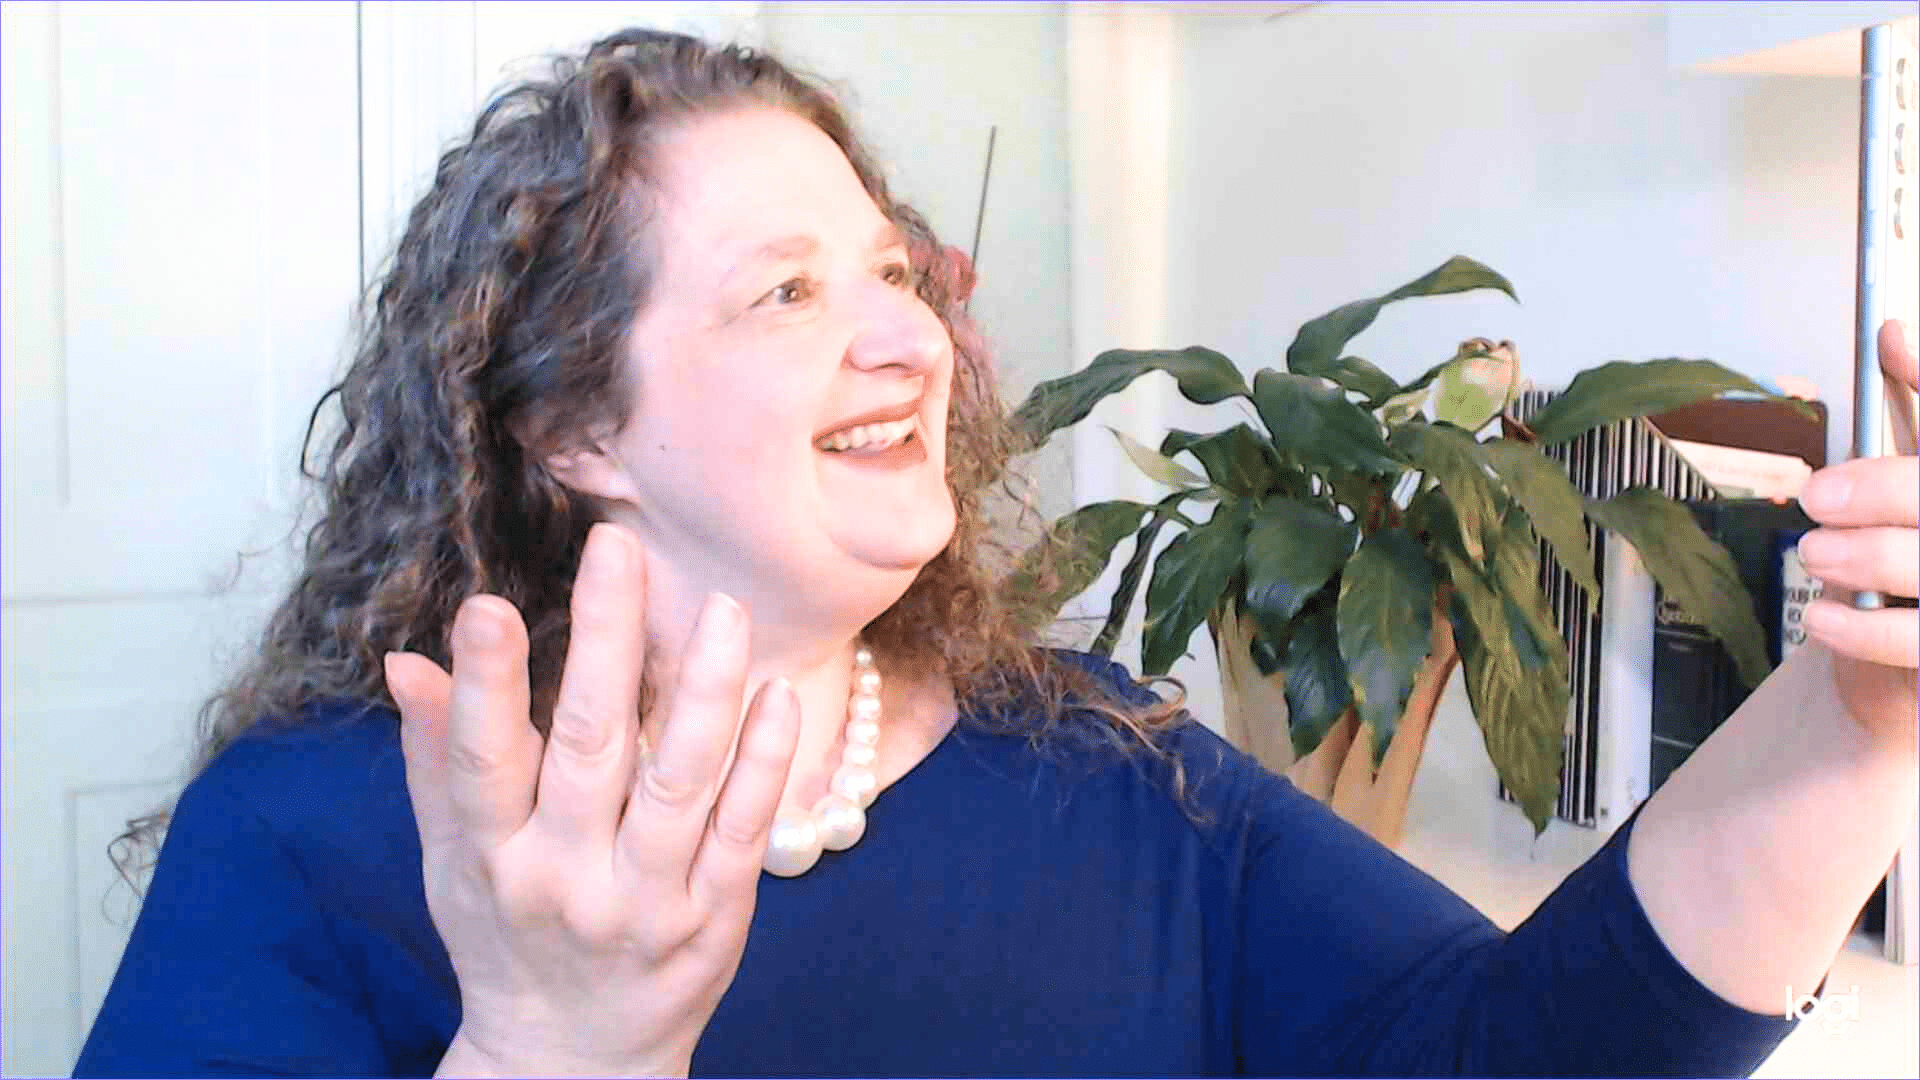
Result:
464,1058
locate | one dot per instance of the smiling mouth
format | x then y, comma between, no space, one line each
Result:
869,438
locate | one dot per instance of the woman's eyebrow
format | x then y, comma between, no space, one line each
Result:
801,245
889,237
795,246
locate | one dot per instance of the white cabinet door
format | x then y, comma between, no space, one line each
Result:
181,239
428,67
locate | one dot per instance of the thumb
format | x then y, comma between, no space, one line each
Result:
1903,376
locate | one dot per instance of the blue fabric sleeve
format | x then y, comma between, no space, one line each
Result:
1415,981
231,970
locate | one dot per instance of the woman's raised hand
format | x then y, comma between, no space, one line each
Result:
594,899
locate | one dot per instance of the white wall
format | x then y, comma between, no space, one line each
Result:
1783,37
1639,211
925,83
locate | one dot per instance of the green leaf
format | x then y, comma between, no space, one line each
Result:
1350,489
1236,459
1315,425
1314,679
1268,651
1515,574
1188,580
1360,376
1293,548
1386,628
1401,408
1320,342
1519,698
1158,466
1620,390
1130,575
1694,569
1203,376
1430,518
1452,458
1086,538
1556,508
1476,386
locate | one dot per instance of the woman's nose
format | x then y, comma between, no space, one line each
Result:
898,330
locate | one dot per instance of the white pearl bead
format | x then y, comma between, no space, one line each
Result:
866,732
855,784
840,821
794,845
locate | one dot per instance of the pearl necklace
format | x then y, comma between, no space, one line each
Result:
839,818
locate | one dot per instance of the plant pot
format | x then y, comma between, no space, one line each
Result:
1338,772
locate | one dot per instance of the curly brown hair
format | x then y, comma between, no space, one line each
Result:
495,337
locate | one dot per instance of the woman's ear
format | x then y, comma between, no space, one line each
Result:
593,470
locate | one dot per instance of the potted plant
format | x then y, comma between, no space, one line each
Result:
1358,547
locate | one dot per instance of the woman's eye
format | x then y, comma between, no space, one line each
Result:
793,291
897,275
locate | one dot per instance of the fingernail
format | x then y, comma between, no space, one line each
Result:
1825,493
481,628
721,613
1822,547
609,551
783,702
782,690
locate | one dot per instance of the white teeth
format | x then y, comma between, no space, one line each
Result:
877,436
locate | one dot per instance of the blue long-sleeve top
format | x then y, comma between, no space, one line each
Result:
1012,910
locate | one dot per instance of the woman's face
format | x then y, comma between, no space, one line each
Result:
788,434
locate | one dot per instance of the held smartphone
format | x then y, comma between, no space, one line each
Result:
1887,278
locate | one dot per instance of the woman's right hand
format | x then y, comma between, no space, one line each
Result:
594,900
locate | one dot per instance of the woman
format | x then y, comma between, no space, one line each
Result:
658,513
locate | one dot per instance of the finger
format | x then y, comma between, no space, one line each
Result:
1882,560
1897,363
675,784
589,756
1865,491
493,752
424,693
727,865
1896,354
1887,636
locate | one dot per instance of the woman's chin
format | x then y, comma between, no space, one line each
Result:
901,548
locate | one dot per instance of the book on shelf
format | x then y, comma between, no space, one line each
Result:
1606,748
1739,473
1696,685
1647,684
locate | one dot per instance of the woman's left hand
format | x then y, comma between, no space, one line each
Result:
1869,540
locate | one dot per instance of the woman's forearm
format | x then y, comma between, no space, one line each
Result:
1754,859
